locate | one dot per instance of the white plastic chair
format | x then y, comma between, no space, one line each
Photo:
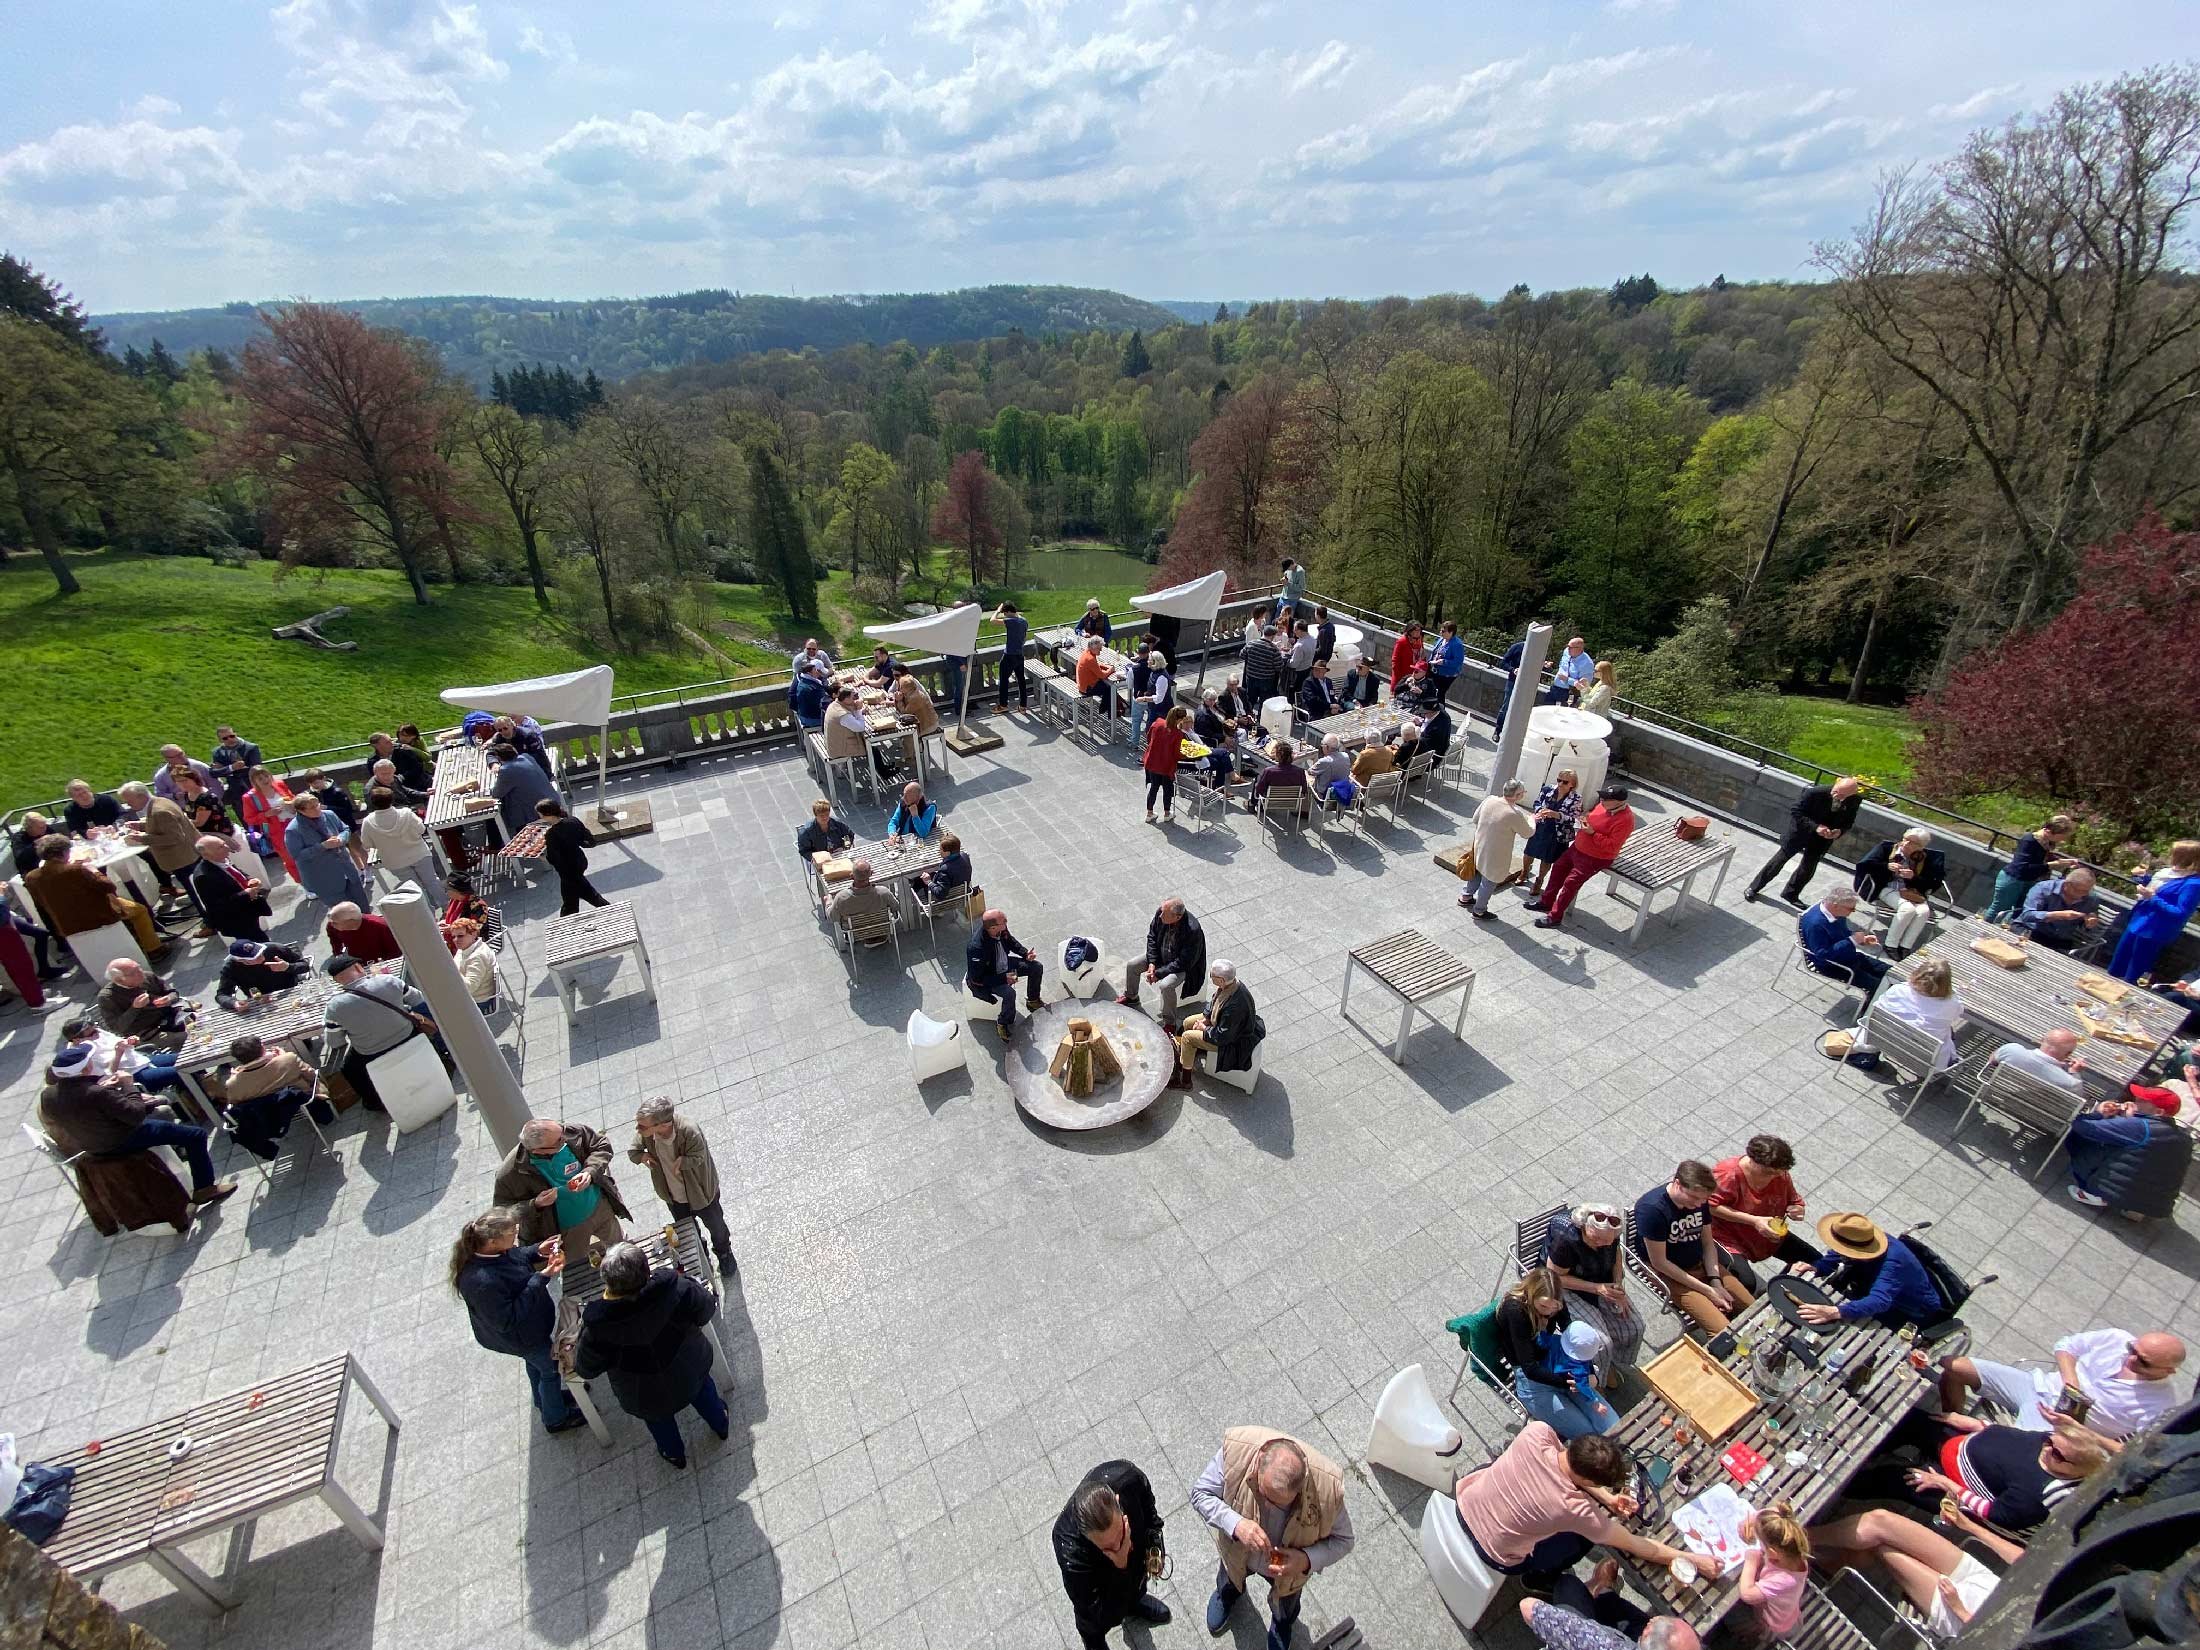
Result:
1088,981
1276,717
975,1007
1245,1079
412,1083
1409,1435
95,948
1463,1581
936,1047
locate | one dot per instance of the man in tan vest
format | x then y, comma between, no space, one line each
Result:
1272,1500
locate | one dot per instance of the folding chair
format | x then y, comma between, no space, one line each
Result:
2033,1104
855,935
1292,801
1914,1054
1384,789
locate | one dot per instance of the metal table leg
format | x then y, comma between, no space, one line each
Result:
584,1400
1405,1029
1459,1026
641,955
1726,859
1350,963
191,1581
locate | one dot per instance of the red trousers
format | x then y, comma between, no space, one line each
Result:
15,958
1573,869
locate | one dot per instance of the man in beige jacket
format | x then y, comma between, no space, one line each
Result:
683,1172
1270,1498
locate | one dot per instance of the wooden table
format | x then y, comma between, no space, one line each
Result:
287,1020
252,1452
1356,728
1852,1427
589,935
2025,1004
447,804
506,864
1656,860
1141,1047
898,864
1414,969
581,1283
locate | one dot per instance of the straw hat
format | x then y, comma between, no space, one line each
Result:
1856,1236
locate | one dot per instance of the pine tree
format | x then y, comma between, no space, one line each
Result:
1222,313
25,292
1136,362
775,529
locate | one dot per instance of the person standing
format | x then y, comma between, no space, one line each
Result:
1015,628
232,763
320,846
683,1173
1164,751
1510,660
1270,1499
169,838
1574,671
1176,958
506,1289
1499,822
1405,657
2165,904
1261,664
2034,859
557,1183
1817,821
399,839
1107,1541
1448,661
564,850
646,1334
1596,846
1293,599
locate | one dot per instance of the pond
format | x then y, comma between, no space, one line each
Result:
1080,567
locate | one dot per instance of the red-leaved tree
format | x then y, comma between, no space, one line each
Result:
964,514
343,428
2084,709
1225,519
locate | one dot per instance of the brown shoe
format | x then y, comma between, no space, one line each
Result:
216,1192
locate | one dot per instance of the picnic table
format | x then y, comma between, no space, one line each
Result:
219,1466
1655,861
1413,969
588,936
2025,1004
447,804
1837,1429
581,1283
1355,728
286,1020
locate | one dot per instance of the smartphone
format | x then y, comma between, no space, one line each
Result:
1721,1345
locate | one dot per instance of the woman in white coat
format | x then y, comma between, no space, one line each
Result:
1925,1002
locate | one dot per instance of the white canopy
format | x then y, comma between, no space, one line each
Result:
952,634
1200,599
576,696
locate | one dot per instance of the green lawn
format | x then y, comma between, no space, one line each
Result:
1863,739
1116,578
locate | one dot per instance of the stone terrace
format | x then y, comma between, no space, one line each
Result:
947,1314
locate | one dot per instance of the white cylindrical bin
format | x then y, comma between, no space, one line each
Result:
1562,737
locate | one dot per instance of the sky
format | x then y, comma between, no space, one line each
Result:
156,155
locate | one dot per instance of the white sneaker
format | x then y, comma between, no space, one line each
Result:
2078,1194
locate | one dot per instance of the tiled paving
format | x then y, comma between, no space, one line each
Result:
947,1314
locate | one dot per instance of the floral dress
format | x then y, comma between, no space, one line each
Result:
1553,836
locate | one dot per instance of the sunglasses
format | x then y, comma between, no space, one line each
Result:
1604,1220
2138,1359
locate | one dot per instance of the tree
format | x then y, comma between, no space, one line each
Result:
964,514
1633,293
341,428
30,296
776,530
1136,362
589,503
662,458
1222,313
514,456
859,500
2075,710
1624,571
1224,520
73,432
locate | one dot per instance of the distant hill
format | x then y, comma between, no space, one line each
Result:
617,337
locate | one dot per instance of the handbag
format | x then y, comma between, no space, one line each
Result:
974,904
1691,827
1466,863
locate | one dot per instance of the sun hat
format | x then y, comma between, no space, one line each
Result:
1582,1341
1856,1236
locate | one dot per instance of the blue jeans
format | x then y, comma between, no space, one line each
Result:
552,1402
705,1403
1569,1414
159,1072
189,1142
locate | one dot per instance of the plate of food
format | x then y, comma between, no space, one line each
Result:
1194,751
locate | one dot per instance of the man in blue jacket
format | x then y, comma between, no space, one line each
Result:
506,1288
1449,659
995,959
1832,948
1882,1277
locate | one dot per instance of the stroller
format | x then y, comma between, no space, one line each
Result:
1849,1277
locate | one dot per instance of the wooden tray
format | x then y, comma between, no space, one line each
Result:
1699,1388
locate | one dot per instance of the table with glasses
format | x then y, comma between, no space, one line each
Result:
895,865
1363,726
289,1019
2025,1004
450,806
581,1283
123,860
1834,1428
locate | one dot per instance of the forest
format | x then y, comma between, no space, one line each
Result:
1867,484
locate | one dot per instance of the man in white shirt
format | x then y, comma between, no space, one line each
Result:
2055,1061
2127,1380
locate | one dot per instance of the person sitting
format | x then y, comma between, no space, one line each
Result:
2061,913
862,901
823,834
396,836
475,961
1532,1331
1261,668
257,968
913,815
645,1332
1944,1583
1832,948
810,698
1436,732
1925,1002
24,841
1332,769
2130,1156
1361,687
1545,1501
847,731
1582,1249
951,876
235,906
383,776
1285,772
2007,1476
1315,699
1597,844
1231,1027
1218,733
139,1004
152,1069
913,706
77,899
1175,958
1375,757
87,811
264,1092
1094,679
1418,692
518,784
1752,1210
2055,1061
884,668
1408,744
523,734
1095,622
410,767
1233,705
91,1108
1913,870
352,932
465,902
1670,1222
2123,1383
994,961
1881,1277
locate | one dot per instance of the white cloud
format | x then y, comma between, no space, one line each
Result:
411,56
1977,103
1326,67
131,161
555,45
152,106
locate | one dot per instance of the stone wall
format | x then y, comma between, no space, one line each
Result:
43,1607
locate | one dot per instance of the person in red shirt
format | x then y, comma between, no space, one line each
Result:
1164,749
355,934
1597,843
1754,1192
1404,657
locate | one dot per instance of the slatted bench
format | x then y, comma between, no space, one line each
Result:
1658,861
136,1500
588,936
582,1283
1415,970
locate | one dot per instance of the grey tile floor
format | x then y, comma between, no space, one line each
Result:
947,1314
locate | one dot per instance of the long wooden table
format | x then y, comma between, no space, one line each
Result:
455,766
1659,861
1850,1427
2025,1004
1360,726
581,1283
286,1020
219,1466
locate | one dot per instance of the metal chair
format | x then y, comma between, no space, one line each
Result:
1796,959
1385,788
1207,804
950,899
1914,1054
64,1163
1292,801
1530,1238
1452,770
2033,1104
1419,768
871,931
1477,1335
1849,1613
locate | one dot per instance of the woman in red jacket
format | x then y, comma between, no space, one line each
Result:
1597,842
1164,749
266,809
1404,657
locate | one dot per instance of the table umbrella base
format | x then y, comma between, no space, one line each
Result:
622,816
970,741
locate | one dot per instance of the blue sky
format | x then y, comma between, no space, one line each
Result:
154,154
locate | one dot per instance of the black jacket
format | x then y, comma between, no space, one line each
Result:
413,771
1516,1337
79,821
1316,699
1100,1595
1236,1031
830,838
337,801
230,911
978,956
508,1299
1191,949
1436,734
1873,871
652,1345
1209,727
562,847
1817,807
239,977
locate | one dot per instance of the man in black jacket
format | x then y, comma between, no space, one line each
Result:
1316,698
1175,961
257,966
506,1288
993,961
1101,1540
235,905
1230,1027
1816,822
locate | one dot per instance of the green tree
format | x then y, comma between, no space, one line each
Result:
859,501
32,297
1136,362
775,529
1625,573
1727,449
514,456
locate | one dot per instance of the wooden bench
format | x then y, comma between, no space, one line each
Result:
1659,861
138,1498
1413,969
